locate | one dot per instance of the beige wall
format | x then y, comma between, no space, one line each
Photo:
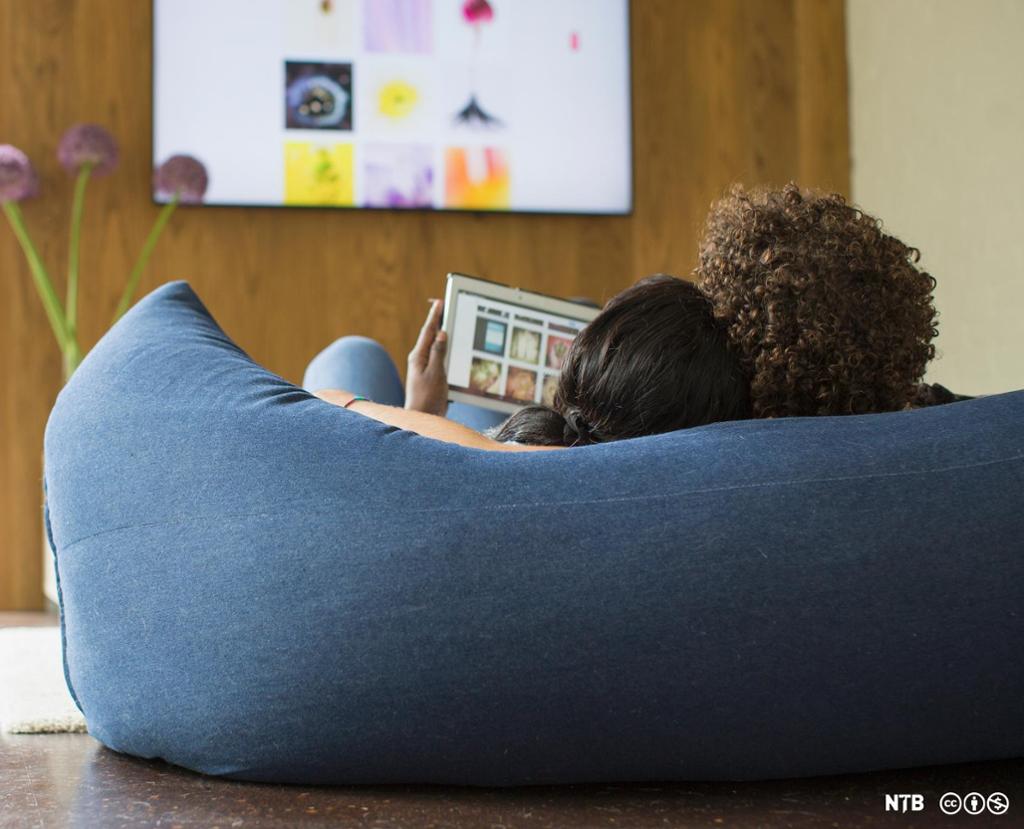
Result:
937,146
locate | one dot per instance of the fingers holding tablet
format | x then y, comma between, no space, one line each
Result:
426,384
420,353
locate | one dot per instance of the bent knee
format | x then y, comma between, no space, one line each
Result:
346,361
350,347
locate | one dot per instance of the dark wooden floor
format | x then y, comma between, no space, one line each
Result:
71,780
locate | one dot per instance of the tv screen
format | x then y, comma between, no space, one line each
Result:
501,105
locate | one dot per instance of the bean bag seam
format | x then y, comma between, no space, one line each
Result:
548,503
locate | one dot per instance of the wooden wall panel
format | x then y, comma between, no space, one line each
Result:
724,91
822,127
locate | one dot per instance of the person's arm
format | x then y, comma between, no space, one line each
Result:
426,396
427,425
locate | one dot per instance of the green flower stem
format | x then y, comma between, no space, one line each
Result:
77,208
39,275
140,263
72,359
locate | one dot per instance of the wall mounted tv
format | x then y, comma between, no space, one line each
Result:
499,105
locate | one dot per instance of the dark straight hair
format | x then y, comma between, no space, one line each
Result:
654,360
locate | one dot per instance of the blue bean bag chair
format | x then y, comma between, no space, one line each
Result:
257,584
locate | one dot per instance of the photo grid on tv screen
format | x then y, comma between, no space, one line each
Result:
503,105
507,352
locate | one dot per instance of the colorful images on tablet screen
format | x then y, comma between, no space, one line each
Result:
558,348
489,336
484,375
525,345
521,384
548,389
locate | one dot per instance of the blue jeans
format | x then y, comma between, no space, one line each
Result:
362,366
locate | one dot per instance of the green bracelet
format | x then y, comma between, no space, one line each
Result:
354,399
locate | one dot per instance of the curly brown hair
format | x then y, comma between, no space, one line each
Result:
829,315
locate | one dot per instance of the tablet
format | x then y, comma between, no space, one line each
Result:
506,345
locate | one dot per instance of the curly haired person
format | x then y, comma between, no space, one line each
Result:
828,314
803,307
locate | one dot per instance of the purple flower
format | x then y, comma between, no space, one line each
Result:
182,176
87,144
17,177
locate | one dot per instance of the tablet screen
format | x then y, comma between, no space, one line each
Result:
503,351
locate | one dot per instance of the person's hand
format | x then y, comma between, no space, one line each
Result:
426,384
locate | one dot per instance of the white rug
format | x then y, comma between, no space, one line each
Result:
34,698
